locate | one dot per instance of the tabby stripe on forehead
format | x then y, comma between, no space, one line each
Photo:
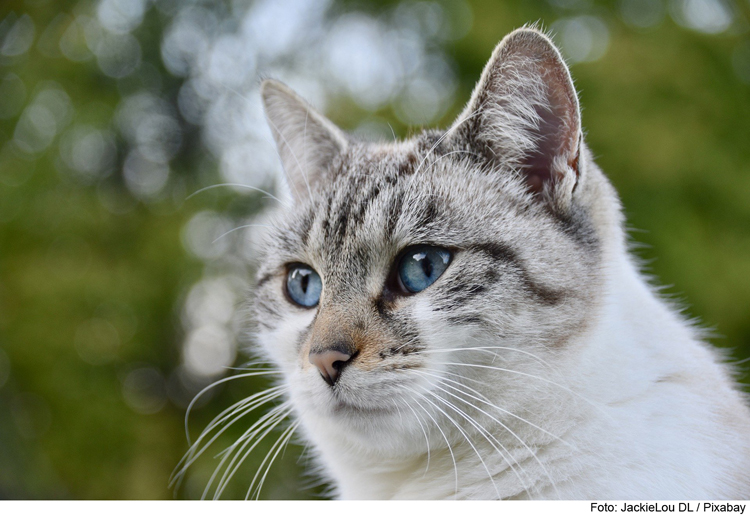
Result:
325,224
365,203
407,165
340,219
428,213
501,252
306,226
394,212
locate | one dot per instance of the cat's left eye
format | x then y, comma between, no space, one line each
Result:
421,266
303,285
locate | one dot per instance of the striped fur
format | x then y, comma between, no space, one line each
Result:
534,367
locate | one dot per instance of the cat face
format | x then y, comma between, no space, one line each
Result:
400,265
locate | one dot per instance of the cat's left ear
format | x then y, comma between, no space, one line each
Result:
524,114
307,142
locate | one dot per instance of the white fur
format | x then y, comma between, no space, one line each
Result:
629,436
597,390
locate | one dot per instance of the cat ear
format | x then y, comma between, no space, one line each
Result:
307,142
524,115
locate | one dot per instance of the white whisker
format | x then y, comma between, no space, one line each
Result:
447,443
284,438
213,385
240,228
486,349
244,186
484,433
463,433
506,427
426,438
485,400
239,410
542,379
275,417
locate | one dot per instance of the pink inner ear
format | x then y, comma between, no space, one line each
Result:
524,111
557,132
538,165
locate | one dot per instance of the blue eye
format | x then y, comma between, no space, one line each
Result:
421,266
303,285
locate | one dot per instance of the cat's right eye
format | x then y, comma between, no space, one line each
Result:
303,285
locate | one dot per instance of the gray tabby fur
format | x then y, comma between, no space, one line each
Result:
497,381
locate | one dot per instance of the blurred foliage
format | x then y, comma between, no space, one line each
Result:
96,272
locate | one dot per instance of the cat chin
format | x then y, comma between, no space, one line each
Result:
364,426
354,401
384,430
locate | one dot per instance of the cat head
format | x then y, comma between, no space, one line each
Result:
398,265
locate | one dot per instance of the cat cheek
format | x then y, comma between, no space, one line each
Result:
283,341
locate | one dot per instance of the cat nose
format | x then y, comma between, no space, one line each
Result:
330,363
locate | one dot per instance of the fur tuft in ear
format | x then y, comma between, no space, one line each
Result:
524,114
307,142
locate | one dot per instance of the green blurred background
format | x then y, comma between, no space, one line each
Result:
116,304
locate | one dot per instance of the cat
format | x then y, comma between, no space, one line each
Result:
457,315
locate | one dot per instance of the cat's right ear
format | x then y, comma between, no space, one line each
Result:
524,115
307,142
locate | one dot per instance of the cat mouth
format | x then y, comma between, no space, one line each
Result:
345,400
357,393
341,406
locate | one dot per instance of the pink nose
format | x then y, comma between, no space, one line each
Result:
330,363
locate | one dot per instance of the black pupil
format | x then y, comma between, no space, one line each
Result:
304,280
426,266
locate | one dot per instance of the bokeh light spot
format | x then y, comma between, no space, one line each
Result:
73,40
143,177
118,55
144,390
203,235
582,39
19,37
121,16
209,351
707,16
